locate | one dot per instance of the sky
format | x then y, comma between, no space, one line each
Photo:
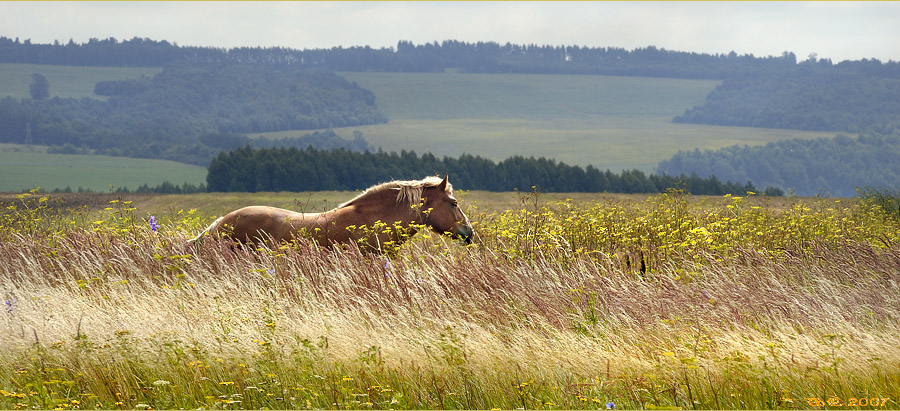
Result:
830,29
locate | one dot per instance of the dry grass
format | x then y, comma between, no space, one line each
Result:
113,315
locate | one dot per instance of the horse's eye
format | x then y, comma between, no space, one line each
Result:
454,204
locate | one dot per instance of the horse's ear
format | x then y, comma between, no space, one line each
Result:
443,185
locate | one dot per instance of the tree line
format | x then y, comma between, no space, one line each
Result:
473,57
247,169
835,166
165,116
162,188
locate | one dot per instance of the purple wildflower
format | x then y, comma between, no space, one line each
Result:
154,224
610,405
10,305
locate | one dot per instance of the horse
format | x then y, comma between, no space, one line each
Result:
387,213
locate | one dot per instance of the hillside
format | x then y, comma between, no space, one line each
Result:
436,103
812,97
834,166
164,116
609,122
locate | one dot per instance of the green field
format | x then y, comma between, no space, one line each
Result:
24,168
610,122
65,81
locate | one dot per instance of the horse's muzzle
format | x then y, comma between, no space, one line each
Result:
465,233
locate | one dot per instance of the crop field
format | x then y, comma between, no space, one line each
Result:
65,81
591,302
23,168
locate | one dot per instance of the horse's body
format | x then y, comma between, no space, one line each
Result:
402,206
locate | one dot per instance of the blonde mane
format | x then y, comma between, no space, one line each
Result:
409,192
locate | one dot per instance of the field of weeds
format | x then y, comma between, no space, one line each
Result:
662,302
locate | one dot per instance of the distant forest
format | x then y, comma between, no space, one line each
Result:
479,57
290,169
833,165
174,114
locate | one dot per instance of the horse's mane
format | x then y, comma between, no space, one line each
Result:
408,191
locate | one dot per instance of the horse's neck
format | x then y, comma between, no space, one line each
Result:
359,220
368,212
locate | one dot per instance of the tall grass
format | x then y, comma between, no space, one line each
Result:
886,199
664,303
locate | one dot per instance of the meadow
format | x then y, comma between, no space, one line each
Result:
599,301
24,167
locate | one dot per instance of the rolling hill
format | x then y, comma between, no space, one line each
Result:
610,122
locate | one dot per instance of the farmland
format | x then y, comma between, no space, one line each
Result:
638,302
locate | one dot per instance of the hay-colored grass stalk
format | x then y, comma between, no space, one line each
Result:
667,302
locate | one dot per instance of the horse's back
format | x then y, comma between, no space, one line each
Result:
259,210
258,222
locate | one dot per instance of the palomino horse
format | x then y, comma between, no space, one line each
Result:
403,206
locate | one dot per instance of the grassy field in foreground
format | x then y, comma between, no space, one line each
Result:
610,122
65,81
653,302
23,168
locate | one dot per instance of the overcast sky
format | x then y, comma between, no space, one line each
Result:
835,30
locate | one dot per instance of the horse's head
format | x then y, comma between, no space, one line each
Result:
442,212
